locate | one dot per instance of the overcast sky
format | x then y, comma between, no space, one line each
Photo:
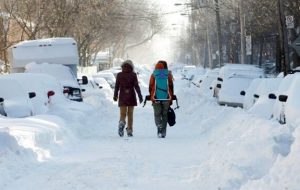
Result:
162,45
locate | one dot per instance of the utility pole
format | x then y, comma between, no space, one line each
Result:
285,62
219,40
243,32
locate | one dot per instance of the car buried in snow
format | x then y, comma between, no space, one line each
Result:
14,100
261,96
230,70
286,107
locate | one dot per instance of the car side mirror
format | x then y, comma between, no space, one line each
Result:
256,96
283,98
50,93
85,80
272,96
31,94
82,90
220,79
1,100
219,85
243,93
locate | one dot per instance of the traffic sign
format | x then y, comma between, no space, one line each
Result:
289,21
296,45
248,45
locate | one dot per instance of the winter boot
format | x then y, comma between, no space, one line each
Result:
164,132
129,132
121,128
160,132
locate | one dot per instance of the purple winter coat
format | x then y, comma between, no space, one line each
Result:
126,85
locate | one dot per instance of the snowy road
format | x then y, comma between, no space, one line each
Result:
110,162
210,147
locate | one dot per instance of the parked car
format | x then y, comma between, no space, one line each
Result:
56,51
261,99
14,100
63,74
286,108
185,71
115,70
43,85
252,94
205,83
108,76
233,90
230,70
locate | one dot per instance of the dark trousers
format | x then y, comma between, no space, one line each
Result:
161,115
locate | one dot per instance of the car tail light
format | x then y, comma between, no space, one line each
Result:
50,93
66,91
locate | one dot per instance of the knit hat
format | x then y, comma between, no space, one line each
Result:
159,66
128,62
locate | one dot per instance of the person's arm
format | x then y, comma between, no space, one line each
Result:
117,87
137,88
171,85
151,87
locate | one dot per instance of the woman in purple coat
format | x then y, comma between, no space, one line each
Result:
126,86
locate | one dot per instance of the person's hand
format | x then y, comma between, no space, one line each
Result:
115,98
141,99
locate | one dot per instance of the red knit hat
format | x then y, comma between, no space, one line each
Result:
159,66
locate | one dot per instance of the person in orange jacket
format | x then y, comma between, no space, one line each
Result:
161,91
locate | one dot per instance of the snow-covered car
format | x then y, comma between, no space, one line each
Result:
232,91
43,85
231,69
14,101
63,74
205,83
261,96
240,70
108,76
251,93
286,108
101,83
115,70
189,72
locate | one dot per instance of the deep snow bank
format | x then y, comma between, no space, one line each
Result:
239,147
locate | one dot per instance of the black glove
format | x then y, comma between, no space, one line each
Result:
141,99
115,98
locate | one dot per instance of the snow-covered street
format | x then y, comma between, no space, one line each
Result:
210,147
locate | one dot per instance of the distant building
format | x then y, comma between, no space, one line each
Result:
102,60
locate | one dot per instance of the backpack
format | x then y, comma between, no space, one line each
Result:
171,117
161,84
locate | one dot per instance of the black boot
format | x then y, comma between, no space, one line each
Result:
160,132
121,128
